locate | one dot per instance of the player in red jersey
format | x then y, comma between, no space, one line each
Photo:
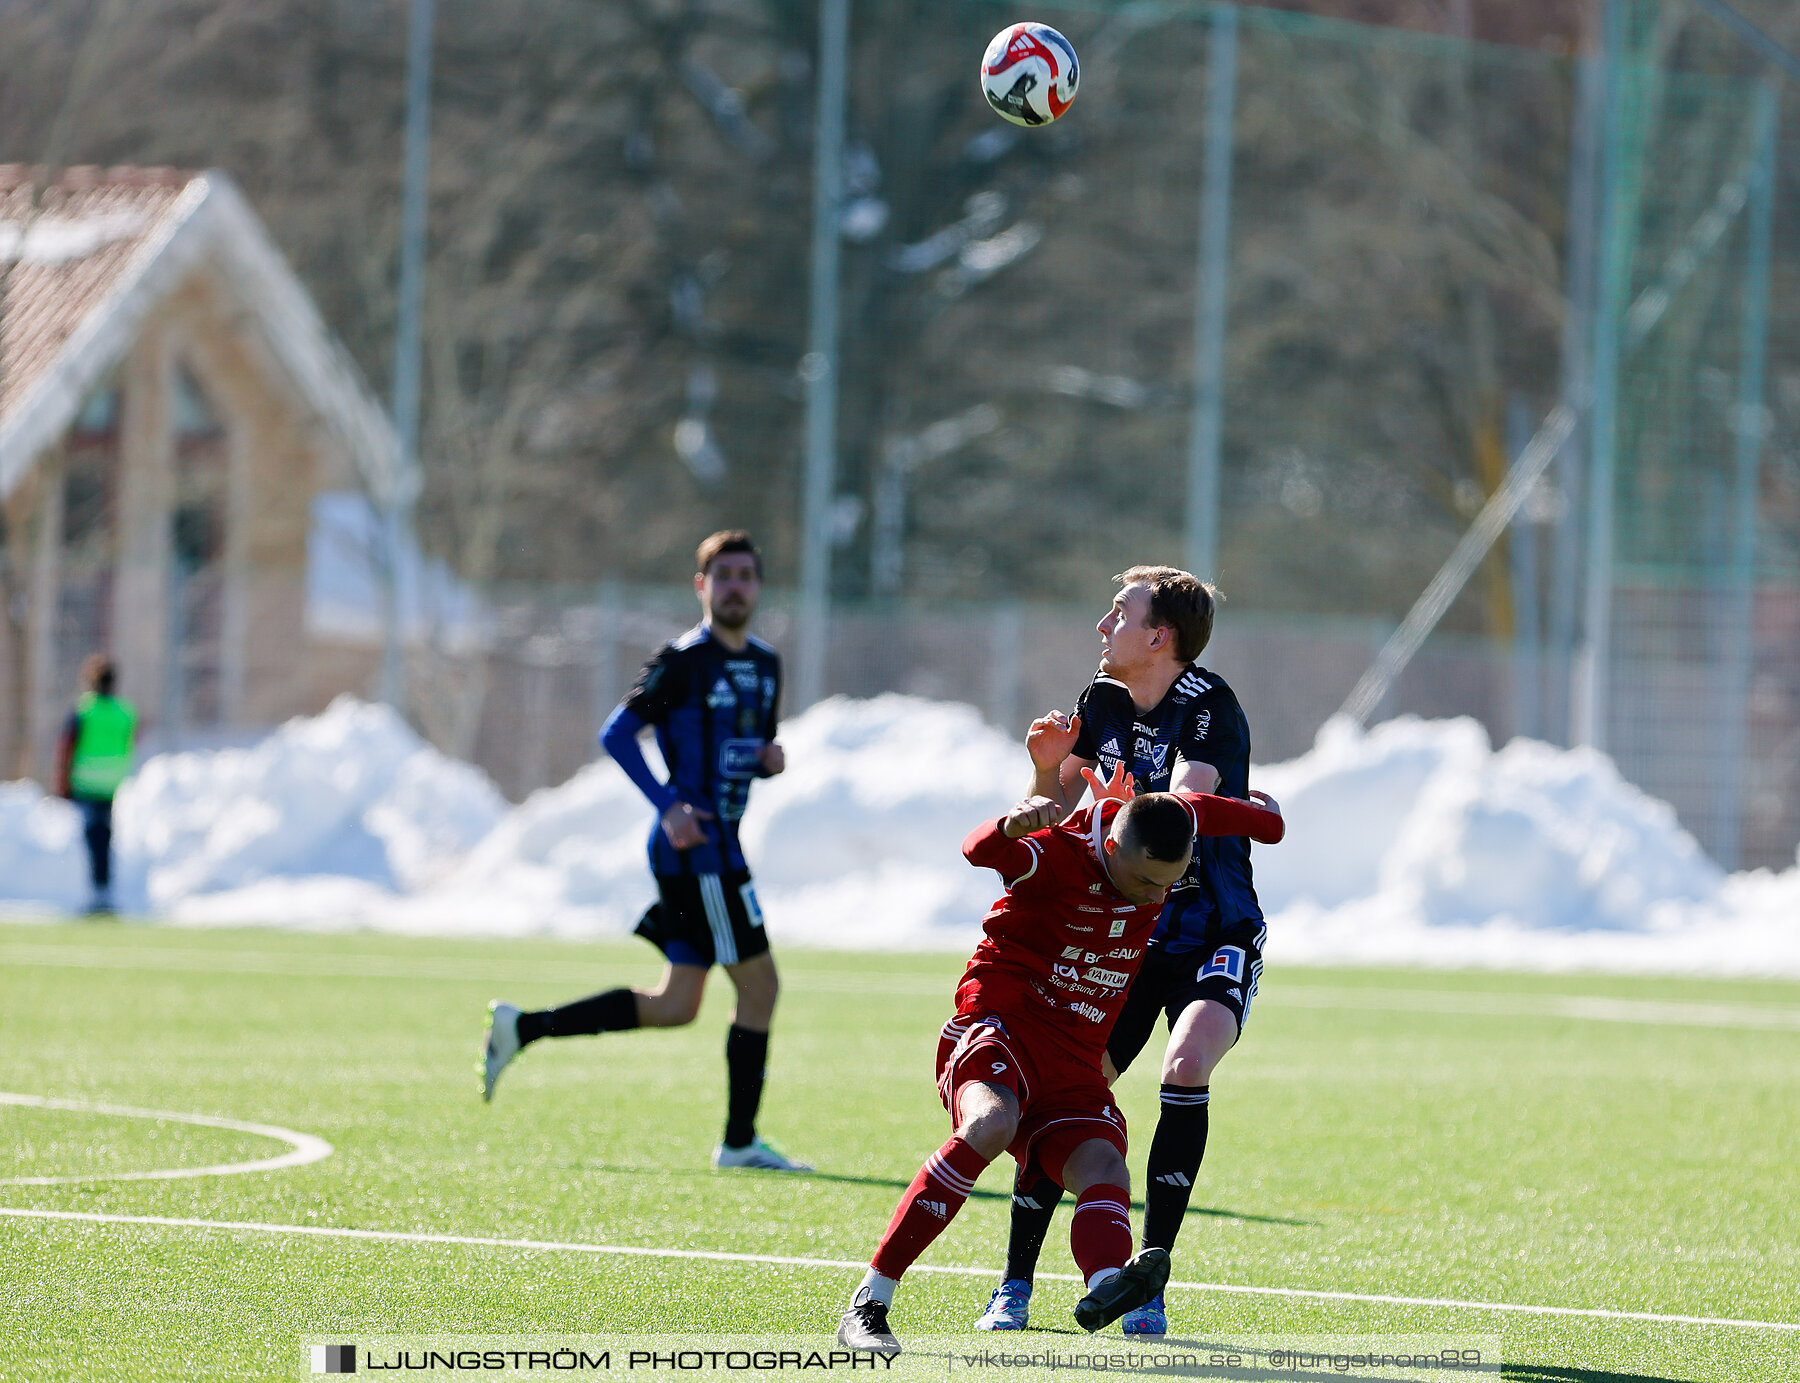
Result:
1019,1065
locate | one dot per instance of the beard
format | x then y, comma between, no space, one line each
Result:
734,615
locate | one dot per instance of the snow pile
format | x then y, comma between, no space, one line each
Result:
856,844
42,859
1414,843
349,804
859,843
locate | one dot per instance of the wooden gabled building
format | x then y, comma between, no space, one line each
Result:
170,404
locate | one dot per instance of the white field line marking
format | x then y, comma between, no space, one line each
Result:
304,1148
1594,1007
1591,1007
553,1246
299,964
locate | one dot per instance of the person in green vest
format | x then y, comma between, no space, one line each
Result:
92,760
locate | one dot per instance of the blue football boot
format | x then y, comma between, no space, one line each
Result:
1009,1308
1148,1321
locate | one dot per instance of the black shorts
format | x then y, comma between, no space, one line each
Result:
705,919
1225,972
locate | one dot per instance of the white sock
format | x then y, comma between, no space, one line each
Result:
875,1287
1104,1275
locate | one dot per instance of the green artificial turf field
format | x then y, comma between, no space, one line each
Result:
1595,1143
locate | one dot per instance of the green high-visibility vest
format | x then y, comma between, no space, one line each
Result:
104,730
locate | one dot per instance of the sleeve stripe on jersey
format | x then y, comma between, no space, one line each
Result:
1037,857
1192,683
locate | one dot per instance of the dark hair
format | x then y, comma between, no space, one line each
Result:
98,674
1158,823
1179,600
727,540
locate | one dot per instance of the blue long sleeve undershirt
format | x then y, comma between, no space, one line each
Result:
619,737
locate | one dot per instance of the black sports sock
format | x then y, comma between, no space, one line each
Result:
1032,1207
613,1011
746,1054
1175,1154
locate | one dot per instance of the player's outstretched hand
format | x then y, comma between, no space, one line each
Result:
1051,738
773,758
681,823
1119,787
1266,802
1033,814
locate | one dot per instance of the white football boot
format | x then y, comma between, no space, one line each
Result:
502,1045
758,1155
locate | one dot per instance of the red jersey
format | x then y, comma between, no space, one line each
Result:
1062,944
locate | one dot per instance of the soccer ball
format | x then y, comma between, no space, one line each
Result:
1029,74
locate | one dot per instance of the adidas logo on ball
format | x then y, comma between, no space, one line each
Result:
1029,74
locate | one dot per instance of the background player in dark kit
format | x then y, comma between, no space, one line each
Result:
712,696
1174,726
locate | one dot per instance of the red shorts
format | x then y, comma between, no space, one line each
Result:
1062,1102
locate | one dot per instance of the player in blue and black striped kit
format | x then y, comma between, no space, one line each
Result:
1152,711
711,696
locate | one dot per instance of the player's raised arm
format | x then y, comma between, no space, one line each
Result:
1000,844
1033,814
1121,787
1055,770
1227,816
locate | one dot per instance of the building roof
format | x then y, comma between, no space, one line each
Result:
83,263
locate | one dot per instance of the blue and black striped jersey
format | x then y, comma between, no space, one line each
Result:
714,710
1197,721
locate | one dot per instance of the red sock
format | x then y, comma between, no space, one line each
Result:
930,1203
1100,1232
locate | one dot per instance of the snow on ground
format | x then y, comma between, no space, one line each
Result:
1415,843
348,804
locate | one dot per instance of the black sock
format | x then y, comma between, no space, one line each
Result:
746,1054
613,1011
1175,1154
1032,1207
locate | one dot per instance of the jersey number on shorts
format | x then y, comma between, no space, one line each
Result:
1227,960
748,893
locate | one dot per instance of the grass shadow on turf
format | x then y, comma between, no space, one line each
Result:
839,1178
